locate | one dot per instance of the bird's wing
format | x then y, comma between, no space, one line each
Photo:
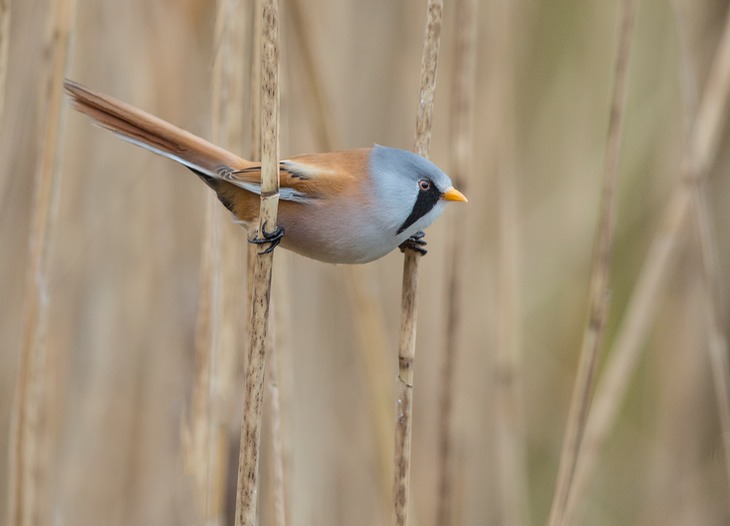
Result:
302,178
308,177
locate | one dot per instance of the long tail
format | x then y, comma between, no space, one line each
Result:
138,127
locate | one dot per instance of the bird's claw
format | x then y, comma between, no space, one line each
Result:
268,237
415,242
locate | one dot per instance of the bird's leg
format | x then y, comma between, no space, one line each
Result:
268,237
415,242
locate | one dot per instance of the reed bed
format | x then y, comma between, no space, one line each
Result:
31,431
125,296
600,281
219,347
4,49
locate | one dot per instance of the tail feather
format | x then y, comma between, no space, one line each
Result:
152,133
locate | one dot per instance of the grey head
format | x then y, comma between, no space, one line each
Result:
410,190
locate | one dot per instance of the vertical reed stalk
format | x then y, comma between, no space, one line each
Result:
624,354
4,49
320,109
253,387
409,302
511,462
255,121
27,474
709,123
197,434
367,314
612,389
462,128
371,334
218,338
276,409
600,276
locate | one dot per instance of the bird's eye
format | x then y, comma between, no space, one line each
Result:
424,184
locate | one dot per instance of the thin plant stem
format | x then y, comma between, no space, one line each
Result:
367,314
404,388
254,381
511,456
372,360
5,11
197,433
624,355
217,337
27,438
321,110
462,127
276,409
409,298
704,142
600,276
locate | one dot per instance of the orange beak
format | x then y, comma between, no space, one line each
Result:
452,194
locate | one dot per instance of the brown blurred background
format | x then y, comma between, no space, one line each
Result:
127,245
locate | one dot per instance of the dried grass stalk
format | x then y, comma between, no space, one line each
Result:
462,127
26,474
511,455
624,354
4,49
321,110
372,358
261,293
279,449
611,390
367,314
218,337
409,303
25,506
600,276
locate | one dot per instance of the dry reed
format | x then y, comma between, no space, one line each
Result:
29,429
321,111
4,50
366,310
261,292
612,389
280,450
218,339
600,286
710,120
462,127
126,262
372,361
511,448
409,298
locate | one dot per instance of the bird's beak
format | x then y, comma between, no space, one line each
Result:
452,194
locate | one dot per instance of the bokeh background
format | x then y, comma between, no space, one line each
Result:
127,250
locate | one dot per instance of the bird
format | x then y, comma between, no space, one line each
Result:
345,207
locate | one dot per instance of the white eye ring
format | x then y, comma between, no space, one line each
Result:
424,184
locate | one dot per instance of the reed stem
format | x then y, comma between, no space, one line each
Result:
261,292
27,473
600,276
624,356
409,298
5,12
462,128
218,337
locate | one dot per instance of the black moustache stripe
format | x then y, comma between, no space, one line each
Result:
425,201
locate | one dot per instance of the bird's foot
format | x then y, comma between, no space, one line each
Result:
268,237
415,242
